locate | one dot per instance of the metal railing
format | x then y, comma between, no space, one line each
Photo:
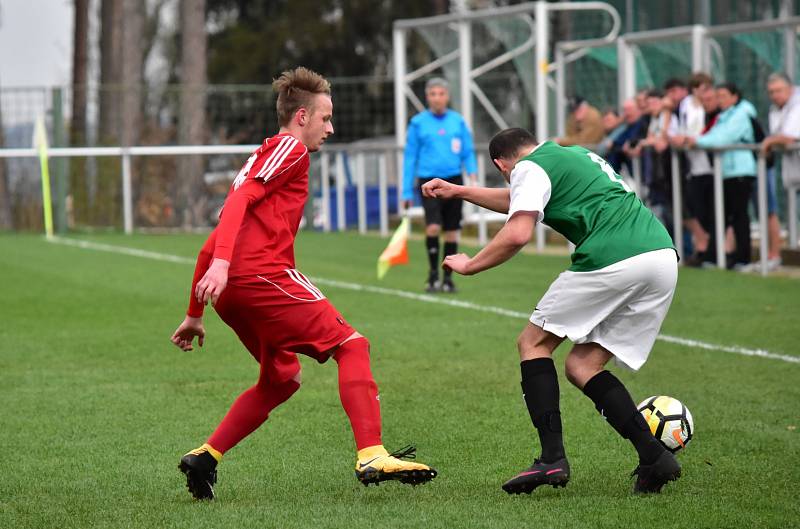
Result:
390,155
719,206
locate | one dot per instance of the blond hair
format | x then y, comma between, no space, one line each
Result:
296,89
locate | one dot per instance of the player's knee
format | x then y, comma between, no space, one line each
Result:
534,344
577,371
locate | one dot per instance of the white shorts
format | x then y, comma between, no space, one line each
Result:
620,307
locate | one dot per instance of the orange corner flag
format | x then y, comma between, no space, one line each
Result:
397,251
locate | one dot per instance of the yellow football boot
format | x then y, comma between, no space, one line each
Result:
375,464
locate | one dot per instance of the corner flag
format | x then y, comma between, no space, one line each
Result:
397,251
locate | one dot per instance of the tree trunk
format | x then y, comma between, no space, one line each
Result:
77,129
191,200
6,218
131,71
110,69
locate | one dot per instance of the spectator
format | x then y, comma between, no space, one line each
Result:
734,125
613,126
691,120
656,159
438,145
700,185
626,143
784,130
584,125
675,89
641,99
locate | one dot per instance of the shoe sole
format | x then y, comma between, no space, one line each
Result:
199,488
528,487
408,477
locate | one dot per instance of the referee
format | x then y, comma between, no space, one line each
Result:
438,145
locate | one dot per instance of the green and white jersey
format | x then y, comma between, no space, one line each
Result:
580,196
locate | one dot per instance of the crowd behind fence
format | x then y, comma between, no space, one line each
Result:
358,185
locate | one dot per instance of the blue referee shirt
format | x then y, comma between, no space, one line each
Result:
436,146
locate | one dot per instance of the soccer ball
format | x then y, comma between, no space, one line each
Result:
669,420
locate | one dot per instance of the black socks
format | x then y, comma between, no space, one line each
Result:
614,403
432,244
450,248
540,391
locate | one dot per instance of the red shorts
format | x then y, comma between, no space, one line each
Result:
278,316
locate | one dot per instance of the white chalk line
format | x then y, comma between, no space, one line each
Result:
158,256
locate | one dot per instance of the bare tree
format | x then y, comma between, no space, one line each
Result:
133,15
191,202
77,134
6,219
110,68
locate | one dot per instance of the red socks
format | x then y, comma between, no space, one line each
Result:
248,412
358,392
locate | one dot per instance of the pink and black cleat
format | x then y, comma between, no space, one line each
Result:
555,474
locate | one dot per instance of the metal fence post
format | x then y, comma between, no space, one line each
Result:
677,205
361,193
761,176
719,211
341,218
127,192
383,195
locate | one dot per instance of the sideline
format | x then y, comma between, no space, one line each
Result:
425,298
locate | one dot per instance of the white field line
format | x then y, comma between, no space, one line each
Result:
146,254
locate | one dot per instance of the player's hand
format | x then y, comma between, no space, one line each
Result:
185,333
457,263
213,282
438,188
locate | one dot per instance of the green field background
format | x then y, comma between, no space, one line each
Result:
98,406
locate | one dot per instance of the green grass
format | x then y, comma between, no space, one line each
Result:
98,406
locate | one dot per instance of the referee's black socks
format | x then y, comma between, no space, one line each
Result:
450,248
614,403
540,391
432,244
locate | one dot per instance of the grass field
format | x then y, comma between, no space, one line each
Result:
98,406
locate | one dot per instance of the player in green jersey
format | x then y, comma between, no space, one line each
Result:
610,303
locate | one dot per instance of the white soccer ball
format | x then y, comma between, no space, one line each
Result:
669,420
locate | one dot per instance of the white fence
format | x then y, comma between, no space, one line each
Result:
389,153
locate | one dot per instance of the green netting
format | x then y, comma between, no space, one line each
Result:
747,60
656,63
594,77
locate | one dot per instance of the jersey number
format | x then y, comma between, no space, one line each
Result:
608,171
242,176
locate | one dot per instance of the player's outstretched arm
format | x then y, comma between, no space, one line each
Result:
496,199
509,240
186,332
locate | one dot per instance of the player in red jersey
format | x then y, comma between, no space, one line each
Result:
246,269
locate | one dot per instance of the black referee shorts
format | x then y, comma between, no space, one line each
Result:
446,213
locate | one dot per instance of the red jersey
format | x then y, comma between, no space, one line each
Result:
261,215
